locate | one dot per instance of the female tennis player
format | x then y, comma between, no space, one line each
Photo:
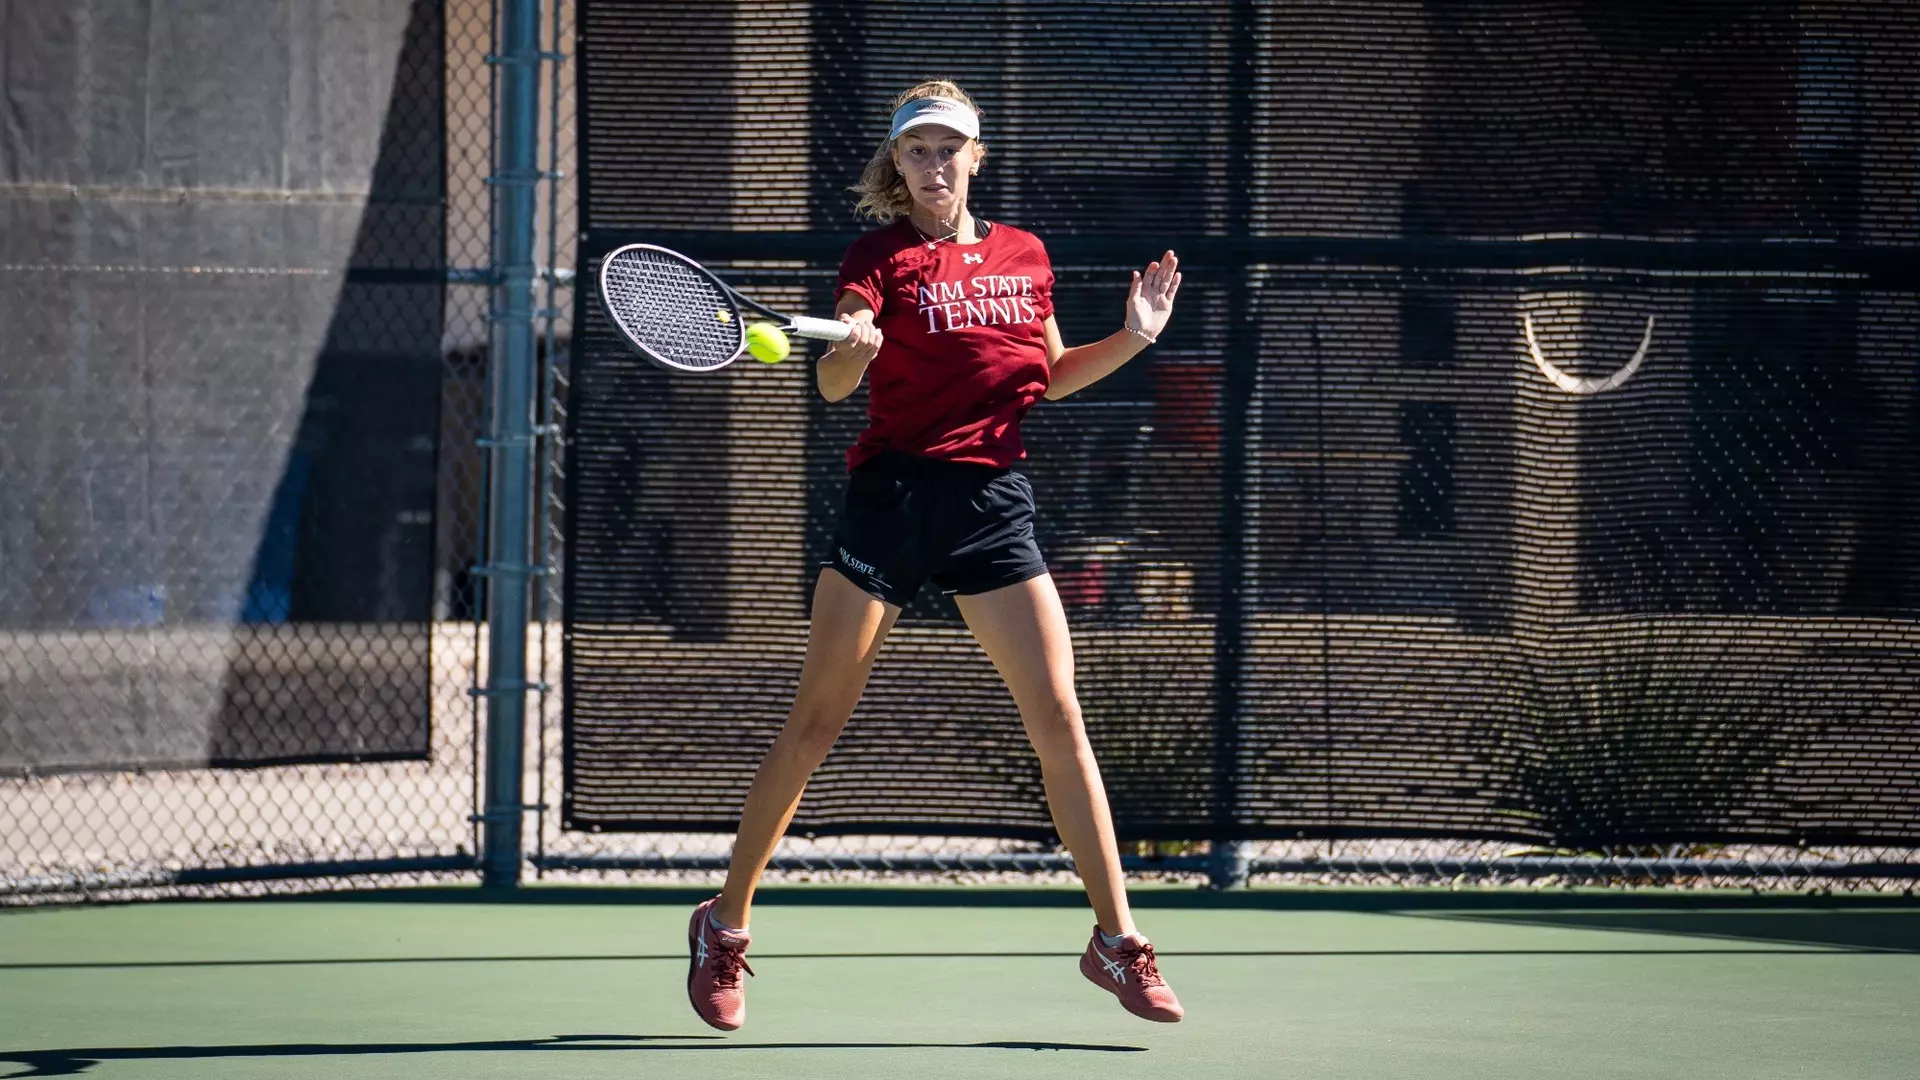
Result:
952,316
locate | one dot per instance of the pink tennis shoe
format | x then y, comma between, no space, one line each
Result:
1129,972
715,959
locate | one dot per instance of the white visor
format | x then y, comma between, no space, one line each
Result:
935,110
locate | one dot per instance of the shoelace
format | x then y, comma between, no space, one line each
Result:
727,963
1145,968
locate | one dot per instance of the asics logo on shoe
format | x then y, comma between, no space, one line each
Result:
1114,968
700,945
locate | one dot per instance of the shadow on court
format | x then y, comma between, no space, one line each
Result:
71,1062
1885,931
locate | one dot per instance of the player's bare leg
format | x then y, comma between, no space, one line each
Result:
842,640
847,629
1024,630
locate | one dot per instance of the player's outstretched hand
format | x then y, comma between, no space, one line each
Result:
1150,299
863,343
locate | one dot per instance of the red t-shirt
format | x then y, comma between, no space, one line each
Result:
964,353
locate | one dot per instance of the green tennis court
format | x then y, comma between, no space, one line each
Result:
927,982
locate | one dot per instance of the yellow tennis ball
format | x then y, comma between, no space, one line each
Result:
767,343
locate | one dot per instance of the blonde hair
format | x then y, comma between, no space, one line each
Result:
883,191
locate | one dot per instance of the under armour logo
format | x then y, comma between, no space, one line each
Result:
970,258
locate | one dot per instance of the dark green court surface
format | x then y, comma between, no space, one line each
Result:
853,985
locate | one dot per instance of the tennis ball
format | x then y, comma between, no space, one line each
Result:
767,344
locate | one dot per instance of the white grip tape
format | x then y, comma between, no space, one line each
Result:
821,329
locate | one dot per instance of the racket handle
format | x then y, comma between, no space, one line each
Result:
821,329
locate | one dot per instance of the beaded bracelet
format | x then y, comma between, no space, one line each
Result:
1141,334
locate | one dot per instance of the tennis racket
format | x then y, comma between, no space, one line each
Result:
674,312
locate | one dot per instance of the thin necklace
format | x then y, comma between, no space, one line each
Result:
932,241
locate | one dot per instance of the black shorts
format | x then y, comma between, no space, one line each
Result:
909,520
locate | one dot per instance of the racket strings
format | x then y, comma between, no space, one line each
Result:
672,310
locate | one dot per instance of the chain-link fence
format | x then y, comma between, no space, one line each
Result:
243,487
1379,541
247,359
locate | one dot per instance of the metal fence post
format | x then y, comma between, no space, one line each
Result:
510,440
1227,868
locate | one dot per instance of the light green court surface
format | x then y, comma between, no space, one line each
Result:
855,984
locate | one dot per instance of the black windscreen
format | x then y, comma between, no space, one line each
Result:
1379,540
